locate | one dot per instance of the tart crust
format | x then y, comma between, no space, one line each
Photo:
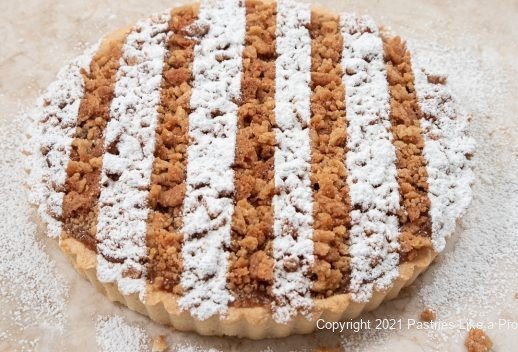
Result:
252,323
246,322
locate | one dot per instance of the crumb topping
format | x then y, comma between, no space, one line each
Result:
167,190
414,220
331,203
82,190
56,118
251,263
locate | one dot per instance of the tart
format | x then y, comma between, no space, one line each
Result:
246,168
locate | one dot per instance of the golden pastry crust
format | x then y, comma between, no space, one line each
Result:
251,262
252,322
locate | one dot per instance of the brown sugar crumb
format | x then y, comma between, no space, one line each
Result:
168,175
435,79
428,314
251,263
159,344
331,203
84,167
412,177
478,341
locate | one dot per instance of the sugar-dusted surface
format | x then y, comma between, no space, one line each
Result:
476,52
293,203
208,204
129,143
446,150
370,159
55,123
113,334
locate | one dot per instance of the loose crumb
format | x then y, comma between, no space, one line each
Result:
428,314
159,344
478,341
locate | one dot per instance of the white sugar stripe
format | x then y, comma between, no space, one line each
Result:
293,205
129,146
370,160
55,126
208,204
445,149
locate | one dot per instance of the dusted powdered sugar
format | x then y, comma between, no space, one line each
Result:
114,334
55,119
446,149
129,145
33,291
293,203
208,204
370,160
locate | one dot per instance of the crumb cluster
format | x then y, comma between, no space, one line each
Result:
164,239
80,209
328,133
478,341
251,262
428,314
414,218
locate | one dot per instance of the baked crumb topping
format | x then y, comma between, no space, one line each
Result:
331,204
251,263
80,208
414,219
167,191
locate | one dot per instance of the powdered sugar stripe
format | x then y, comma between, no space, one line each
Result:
370,160
446,148
55,120
129,145
293,203
208,203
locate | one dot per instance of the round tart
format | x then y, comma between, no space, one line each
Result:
246,168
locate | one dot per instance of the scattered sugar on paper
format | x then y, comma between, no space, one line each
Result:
114,334
192,348
470,270
33,292
477,266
